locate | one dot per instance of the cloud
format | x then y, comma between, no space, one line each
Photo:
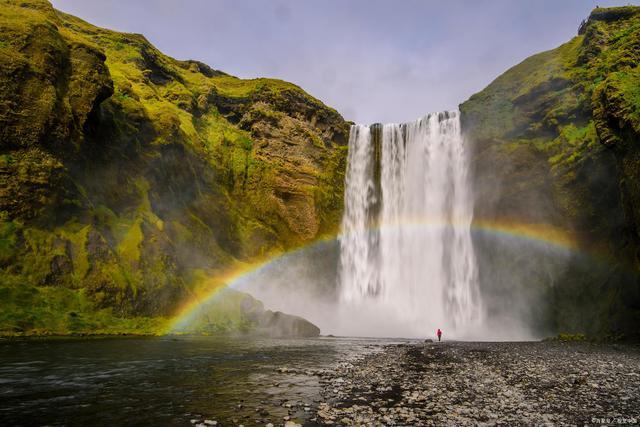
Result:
372,60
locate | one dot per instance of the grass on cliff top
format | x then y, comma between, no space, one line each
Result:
124,49
495,108
131,60
549,95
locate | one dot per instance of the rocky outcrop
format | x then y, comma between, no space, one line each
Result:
127,178
563,126
230,311
276,324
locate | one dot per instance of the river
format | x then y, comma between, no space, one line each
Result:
167,380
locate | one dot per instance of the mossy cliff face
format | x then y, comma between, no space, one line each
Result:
128,177
556,141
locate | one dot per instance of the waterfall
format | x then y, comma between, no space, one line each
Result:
405,247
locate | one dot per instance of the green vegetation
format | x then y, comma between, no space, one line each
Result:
565,337
564,126
130,178
226,312
123,175
31,310
561,95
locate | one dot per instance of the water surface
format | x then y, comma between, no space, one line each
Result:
165,381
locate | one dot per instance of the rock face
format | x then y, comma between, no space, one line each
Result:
231,311
276,324
127,176
563,127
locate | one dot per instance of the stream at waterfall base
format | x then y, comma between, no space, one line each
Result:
325,381
167,380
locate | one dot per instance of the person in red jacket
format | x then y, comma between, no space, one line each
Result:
439,333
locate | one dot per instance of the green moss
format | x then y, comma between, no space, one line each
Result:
564,124
245,143
222,314
76,234
549,95
328,193
9,232
237,88
179,171
129,246
57,311
104,217
571,337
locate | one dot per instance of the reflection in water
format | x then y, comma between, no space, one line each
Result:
168,381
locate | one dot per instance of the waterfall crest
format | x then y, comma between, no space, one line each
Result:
405,247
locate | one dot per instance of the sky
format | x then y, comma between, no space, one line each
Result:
372,60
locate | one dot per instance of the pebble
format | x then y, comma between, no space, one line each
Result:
534,383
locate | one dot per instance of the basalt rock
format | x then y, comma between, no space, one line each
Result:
555,144
231,311
128,178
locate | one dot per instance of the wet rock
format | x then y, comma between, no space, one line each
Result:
481,383
276,324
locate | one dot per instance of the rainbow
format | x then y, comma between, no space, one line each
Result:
540,234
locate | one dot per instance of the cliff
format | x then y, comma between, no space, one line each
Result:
128,178
555,142
132,182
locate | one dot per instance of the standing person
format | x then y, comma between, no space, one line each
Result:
439,333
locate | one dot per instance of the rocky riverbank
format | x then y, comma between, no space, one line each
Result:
485,383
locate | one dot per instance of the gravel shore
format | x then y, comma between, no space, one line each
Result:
465,383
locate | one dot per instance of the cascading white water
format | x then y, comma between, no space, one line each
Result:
406,250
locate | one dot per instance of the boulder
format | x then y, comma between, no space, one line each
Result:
276,324
281,325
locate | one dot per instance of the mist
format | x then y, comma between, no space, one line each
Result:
430,60
516,275
515,292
